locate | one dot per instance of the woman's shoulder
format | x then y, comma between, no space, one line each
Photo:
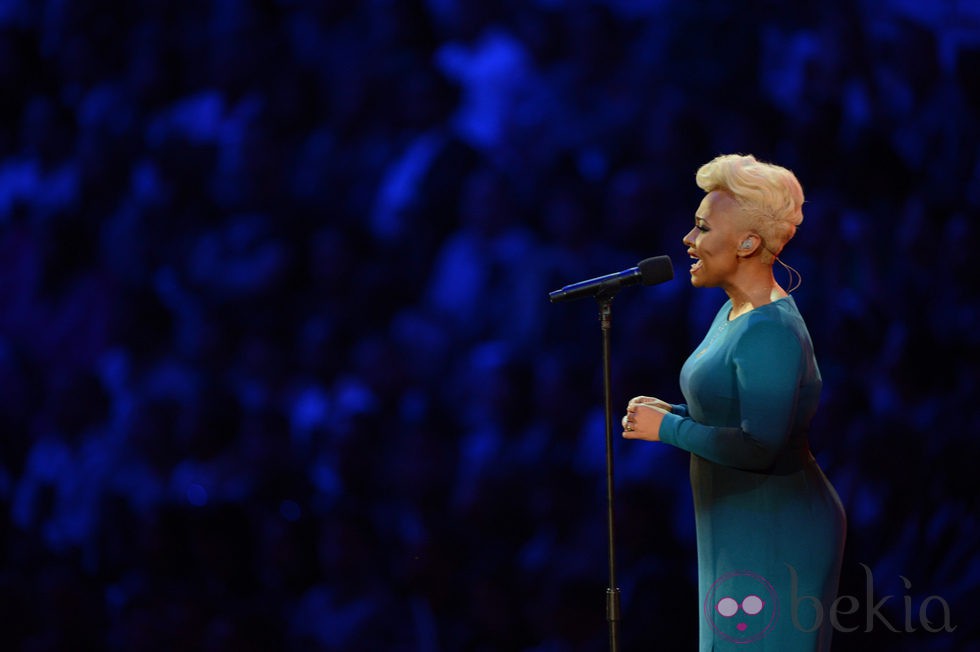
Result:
777,321
783,310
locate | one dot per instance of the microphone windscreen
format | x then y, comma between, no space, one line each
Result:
656,270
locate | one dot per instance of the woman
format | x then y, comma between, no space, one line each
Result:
770,527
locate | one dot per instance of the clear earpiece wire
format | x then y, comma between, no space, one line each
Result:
795,278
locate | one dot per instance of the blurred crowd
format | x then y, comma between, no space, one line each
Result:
277,365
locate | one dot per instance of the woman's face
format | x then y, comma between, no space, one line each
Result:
714,241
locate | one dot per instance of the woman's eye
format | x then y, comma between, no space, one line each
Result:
701,228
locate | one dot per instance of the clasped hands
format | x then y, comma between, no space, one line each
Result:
644,415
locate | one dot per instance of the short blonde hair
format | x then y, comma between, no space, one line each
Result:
769,196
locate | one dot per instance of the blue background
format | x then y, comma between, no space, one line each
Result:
277,365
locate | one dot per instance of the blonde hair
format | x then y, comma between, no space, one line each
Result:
769,196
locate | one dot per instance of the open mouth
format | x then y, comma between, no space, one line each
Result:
697,263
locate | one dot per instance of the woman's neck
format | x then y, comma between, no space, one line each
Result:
752,291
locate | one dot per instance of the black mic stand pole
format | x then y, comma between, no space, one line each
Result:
647,272
604,298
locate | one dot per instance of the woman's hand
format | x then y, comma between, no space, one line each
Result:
651,401
644,414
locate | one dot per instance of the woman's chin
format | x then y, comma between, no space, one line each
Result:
699,281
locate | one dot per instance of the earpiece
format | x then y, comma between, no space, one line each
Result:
746,244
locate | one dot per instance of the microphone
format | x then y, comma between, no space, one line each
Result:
647,272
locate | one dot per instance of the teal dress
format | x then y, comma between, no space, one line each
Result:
770,527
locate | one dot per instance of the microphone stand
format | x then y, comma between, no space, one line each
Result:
604,299
604,288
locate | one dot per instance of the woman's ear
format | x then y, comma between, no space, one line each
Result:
750,243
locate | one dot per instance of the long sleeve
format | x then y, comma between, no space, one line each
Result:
768,366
